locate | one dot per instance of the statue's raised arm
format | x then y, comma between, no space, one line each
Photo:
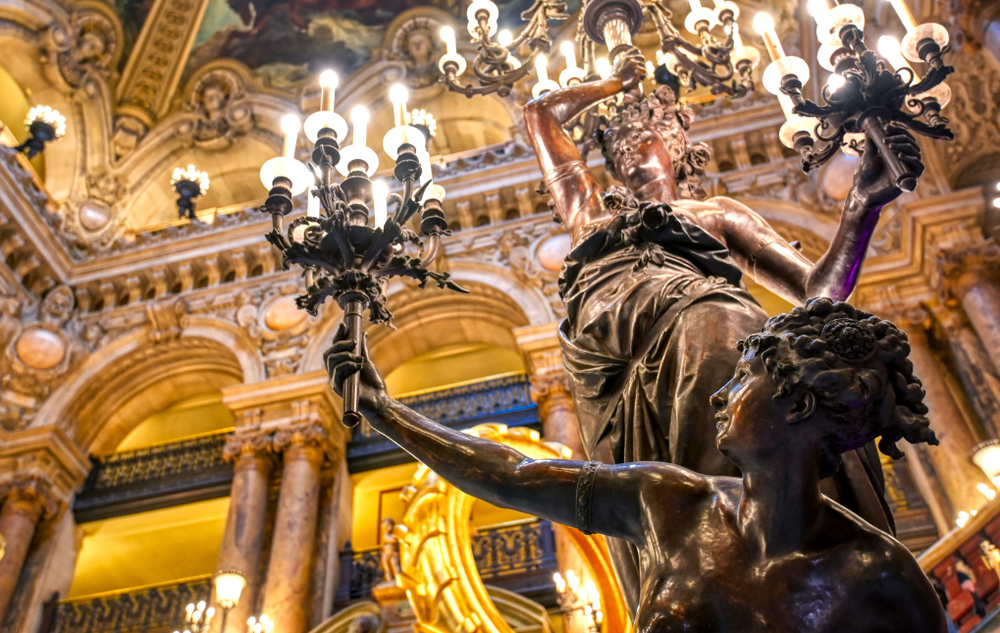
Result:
764,553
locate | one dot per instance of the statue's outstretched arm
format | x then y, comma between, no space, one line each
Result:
767,257
576,196
604,499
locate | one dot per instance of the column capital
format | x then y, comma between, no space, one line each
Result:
253,442
548,386
32,494
309,435
963,266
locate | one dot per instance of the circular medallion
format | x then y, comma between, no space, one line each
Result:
553,251
94,215
39,348
283,314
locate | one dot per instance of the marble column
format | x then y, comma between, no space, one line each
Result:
27,500
945,473
971,277
286,593
557,411
243,540
979,380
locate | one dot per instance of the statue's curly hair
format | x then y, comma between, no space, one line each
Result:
856,366
671,120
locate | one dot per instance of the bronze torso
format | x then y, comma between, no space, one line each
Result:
698,575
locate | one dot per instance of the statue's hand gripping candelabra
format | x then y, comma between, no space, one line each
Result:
342,254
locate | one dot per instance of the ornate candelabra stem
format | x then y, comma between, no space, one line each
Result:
353,305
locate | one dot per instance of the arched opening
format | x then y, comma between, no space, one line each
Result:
13,110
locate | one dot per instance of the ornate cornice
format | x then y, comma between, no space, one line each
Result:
964,266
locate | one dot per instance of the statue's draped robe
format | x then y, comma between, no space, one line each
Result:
653,317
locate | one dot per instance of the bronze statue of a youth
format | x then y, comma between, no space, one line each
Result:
765,553
652,285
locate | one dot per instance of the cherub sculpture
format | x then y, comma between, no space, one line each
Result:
389,560
767,552
653,291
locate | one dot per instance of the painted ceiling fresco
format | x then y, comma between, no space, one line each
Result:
289,40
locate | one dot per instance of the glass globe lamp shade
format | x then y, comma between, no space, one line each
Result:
228,587
987,457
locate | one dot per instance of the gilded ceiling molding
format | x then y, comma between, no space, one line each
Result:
154,69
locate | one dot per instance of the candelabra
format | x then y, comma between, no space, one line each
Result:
342,252
573,597
43,124
189,184
198,618
721,61
867,95
263,624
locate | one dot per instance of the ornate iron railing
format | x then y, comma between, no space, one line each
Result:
125,480
506,400
504,554
153,610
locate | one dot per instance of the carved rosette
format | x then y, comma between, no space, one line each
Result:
33,495
965,266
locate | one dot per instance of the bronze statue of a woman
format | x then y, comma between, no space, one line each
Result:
652,286
767,552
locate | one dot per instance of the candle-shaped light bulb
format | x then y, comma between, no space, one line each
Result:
425,167
448,37
737,38
603,67
290,126
569,52
380,195
542,67
817,8
574,582
888,47
695,4
359,117
312,206
904,13
398,95
504,38
328,83
764,25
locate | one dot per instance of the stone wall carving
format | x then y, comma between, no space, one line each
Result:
414,42
974,115
41,344
217,109
87,48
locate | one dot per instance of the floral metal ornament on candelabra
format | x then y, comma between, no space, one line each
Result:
868,97
342,252
43,124
189,184
198,618
722,64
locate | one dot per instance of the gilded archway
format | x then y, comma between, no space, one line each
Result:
438,569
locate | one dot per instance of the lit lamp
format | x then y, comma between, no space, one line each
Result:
889,48
326,117
263,624
43,124
987,456
229,586
401,133
189,184
572,74
198,618
796,129
358,156
544,83
285,172
423,121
